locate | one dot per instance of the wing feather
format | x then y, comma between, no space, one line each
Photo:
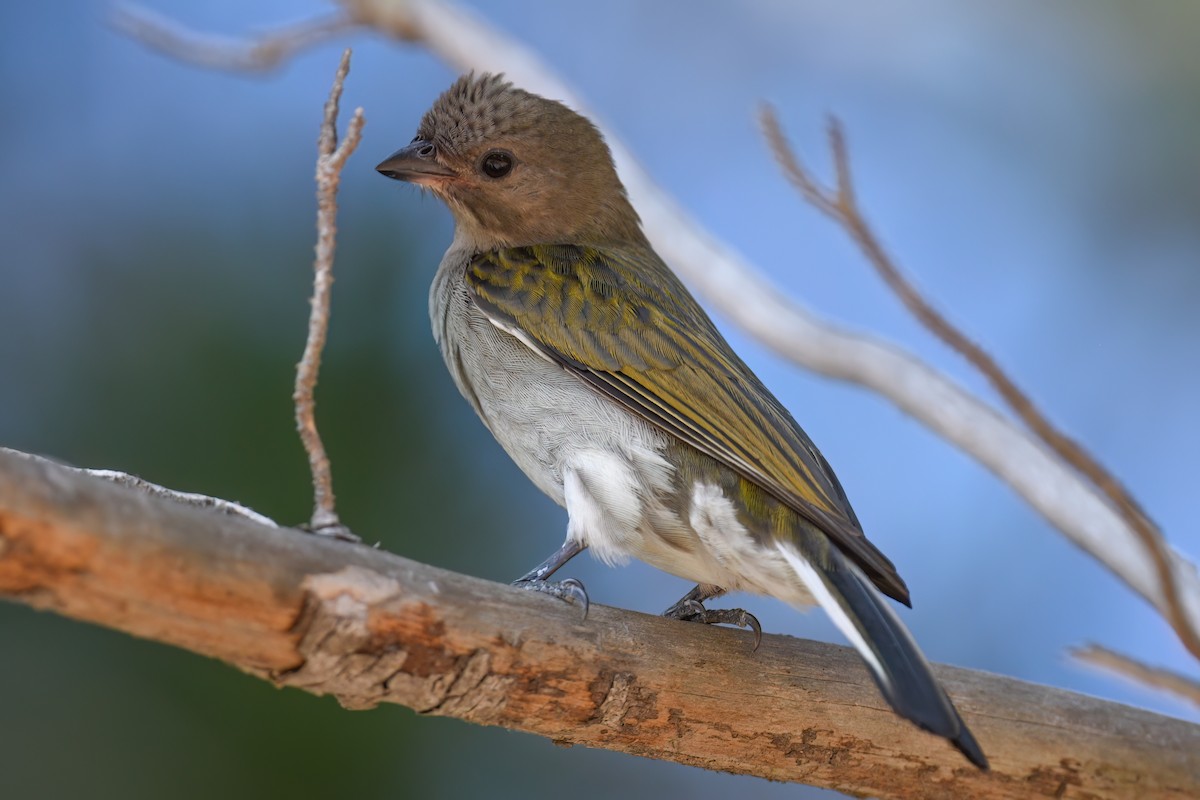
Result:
623,323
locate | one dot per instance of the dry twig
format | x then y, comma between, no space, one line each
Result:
215,52
331,157
1144,674
839,204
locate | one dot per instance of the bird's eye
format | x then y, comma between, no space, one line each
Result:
496,164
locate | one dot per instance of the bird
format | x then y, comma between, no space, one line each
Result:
606,382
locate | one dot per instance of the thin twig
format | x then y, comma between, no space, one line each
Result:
216,52
1155,677
331,157
839,204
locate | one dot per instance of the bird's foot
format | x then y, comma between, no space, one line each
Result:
689,610
568,590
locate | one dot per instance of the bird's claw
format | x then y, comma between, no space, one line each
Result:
569,590
688,610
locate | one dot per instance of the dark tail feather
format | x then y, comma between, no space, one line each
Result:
891,655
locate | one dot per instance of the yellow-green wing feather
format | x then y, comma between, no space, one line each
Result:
622,321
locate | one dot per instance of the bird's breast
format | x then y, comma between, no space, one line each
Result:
541,415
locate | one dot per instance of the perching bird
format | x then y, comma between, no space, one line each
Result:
606,382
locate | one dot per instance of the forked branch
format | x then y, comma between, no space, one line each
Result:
331,157
839,203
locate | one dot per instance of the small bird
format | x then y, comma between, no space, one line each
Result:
606,382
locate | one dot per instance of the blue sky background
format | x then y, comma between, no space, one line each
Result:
1033,167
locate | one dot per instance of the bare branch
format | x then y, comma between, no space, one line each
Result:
214,52
369,627
1144,674
838,202
331,157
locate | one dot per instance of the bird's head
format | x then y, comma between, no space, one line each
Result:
516,169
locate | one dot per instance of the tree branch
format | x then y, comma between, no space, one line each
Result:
1133,670
369,627
840,205
215,52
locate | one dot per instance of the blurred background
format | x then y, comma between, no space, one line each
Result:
1033,166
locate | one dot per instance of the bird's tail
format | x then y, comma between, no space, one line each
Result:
892,657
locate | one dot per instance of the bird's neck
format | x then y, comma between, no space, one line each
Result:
471,238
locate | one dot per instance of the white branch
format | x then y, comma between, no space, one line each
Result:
743,294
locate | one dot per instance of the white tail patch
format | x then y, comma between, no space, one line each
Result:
601,492
808,575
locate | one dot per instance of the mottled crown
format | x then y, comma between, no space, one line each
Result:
474,109
562,186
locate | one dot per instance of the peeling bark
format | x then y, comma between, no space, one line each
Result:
369,627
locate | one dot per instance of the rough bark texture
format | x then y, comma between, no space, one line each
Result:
370,627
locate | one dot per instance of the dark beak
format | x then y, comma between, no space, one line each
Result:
416,163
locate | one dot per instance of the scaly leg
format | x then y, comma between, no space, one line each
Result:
690,608
571,590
